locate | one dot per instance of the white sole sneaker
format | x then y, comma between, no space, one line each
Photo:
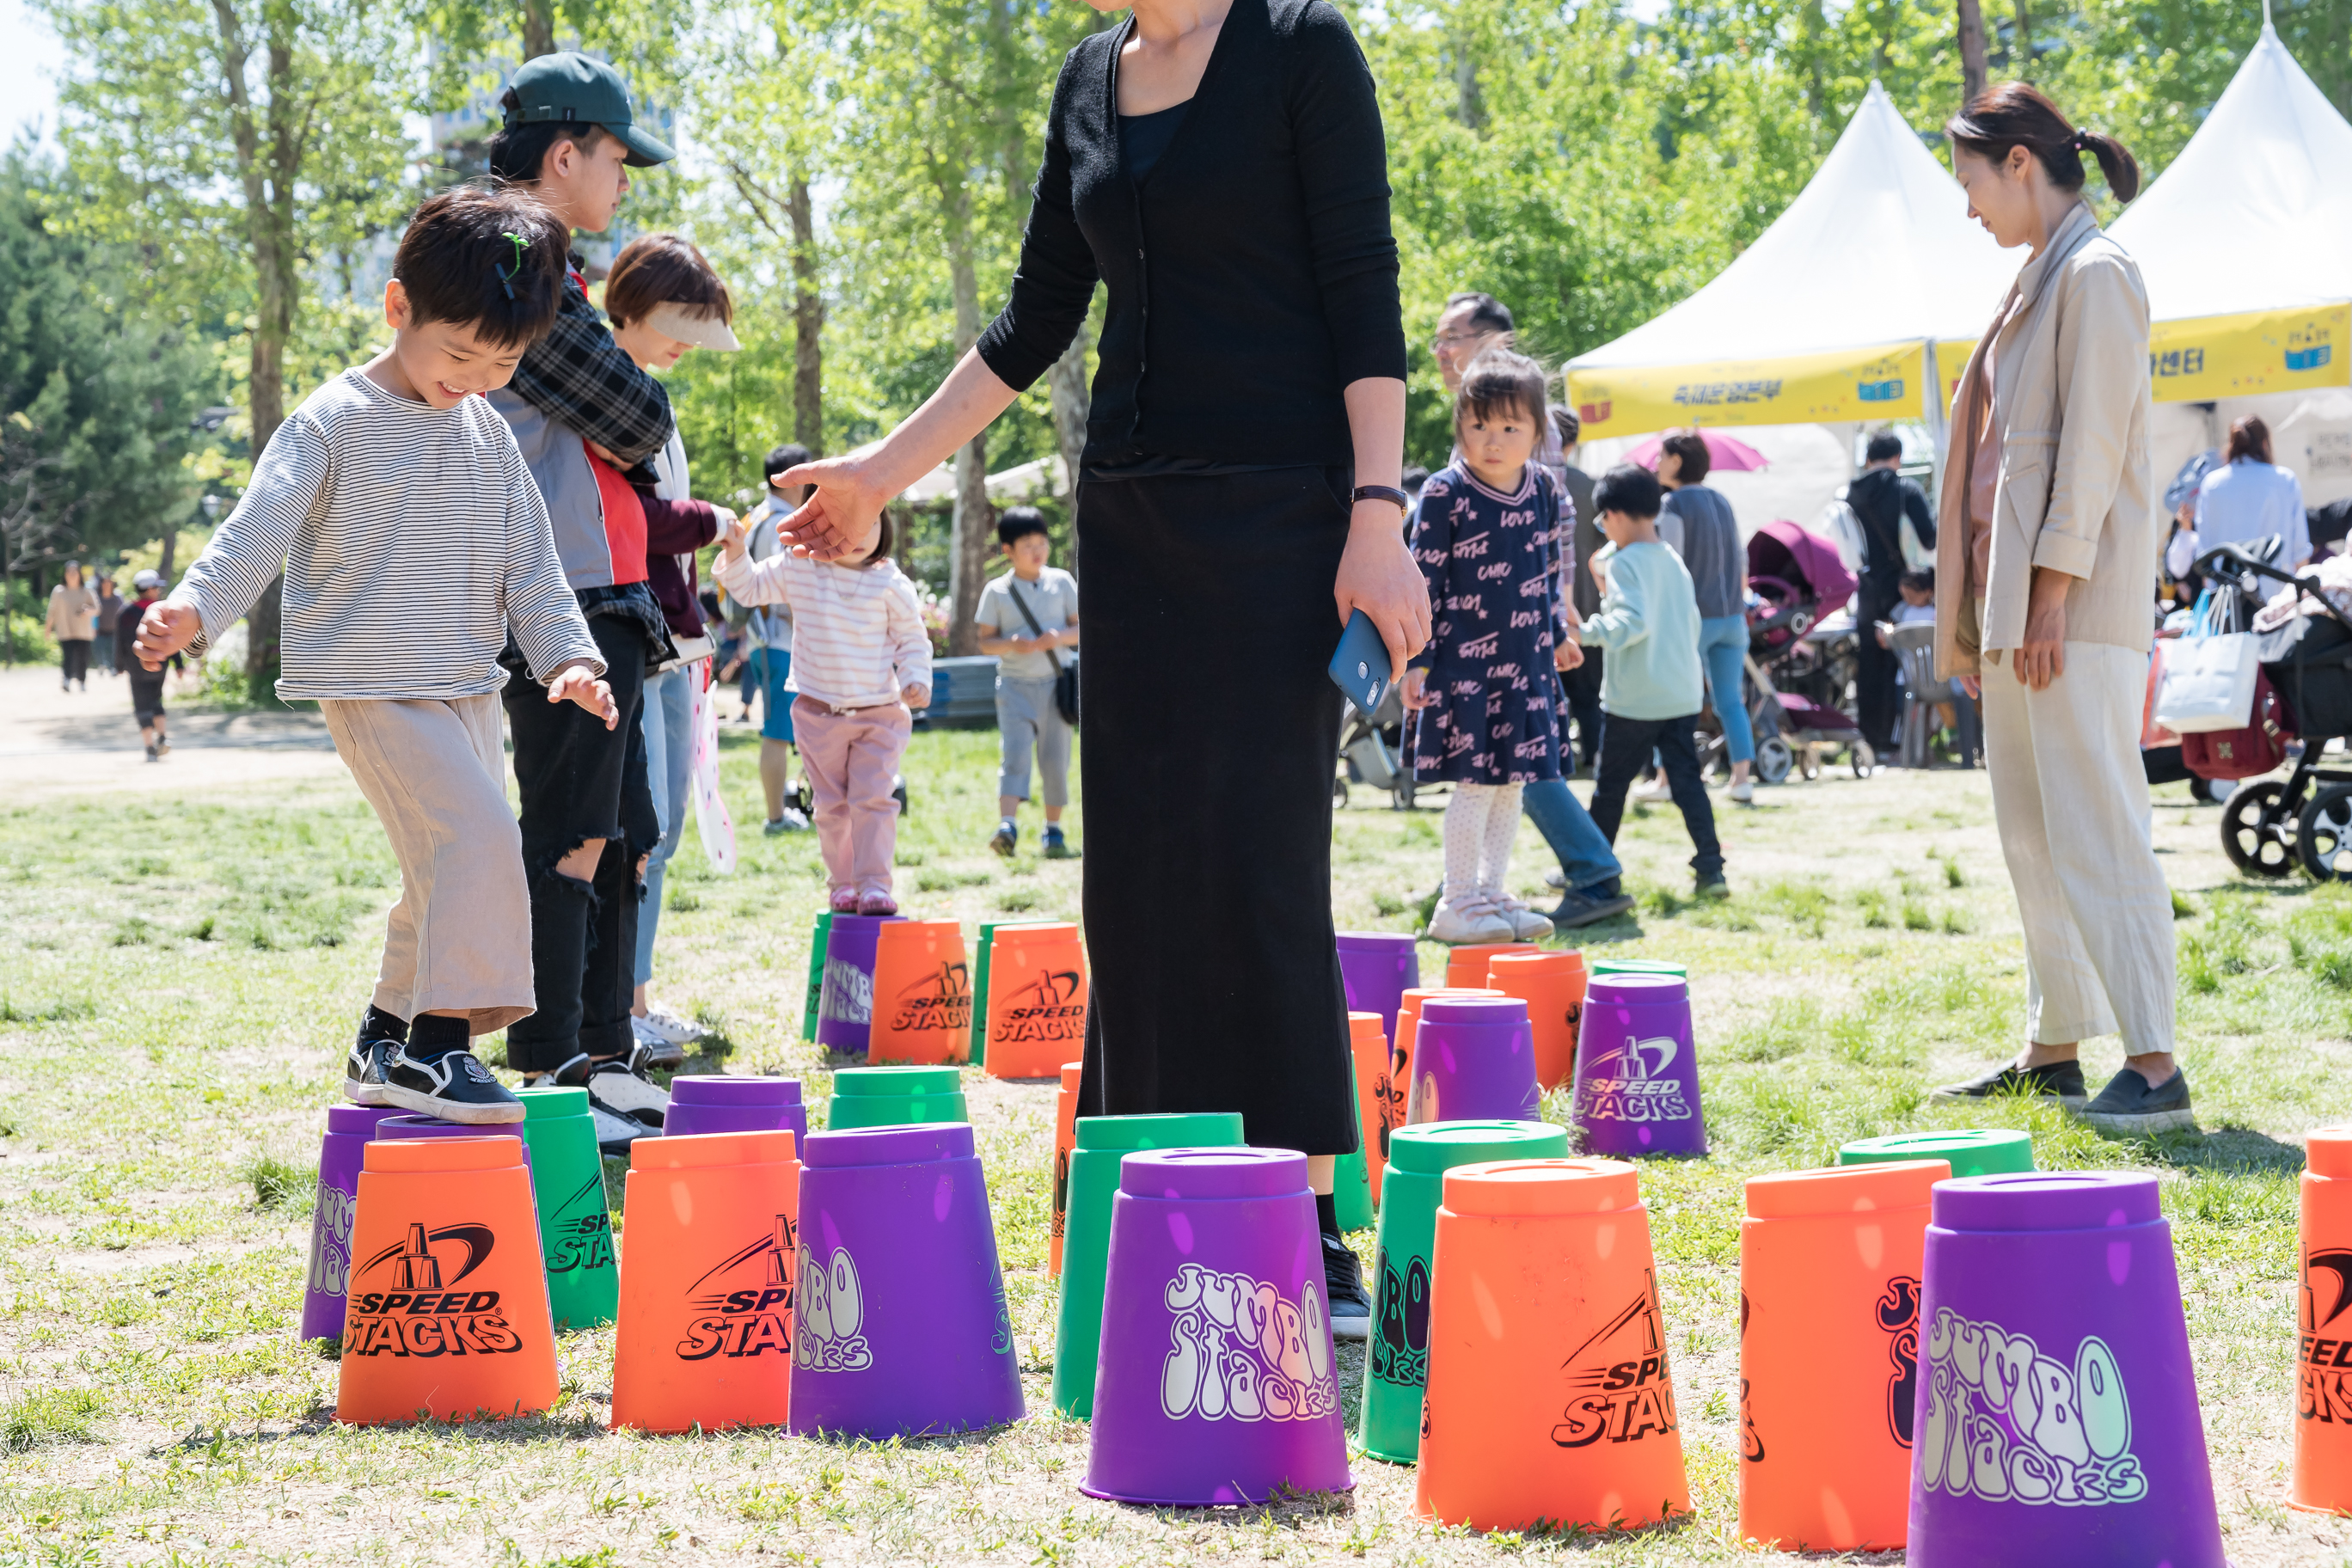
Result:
1455,926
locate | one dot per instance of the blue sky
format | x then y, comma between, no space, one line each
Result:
29,59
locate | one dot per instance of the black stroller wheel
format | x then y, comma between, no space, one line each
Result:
1773,759
2323,836
2254,830
1339,791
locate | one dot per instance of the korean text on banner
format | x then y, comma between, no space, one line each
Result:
1878,383
2208,357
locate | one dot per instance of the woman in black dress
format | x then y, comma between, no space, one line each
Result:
1220,165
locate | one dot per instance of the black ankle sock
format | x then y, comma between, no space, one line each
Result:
1327,1214
379,1025
431,1039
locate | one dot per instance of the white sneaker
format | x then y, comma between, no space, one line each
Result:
1655,790
663,1024
623,1088
1526,924
1478,922
1744,791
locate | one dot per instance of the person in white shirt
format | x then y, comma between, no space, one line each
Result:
861,663
1024,616
2249,496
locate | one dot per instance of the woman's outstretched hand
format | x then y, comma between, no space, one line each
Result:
844,514
1377,576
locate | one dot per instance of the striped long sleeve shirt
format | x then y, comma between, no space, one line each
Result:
412,539
857,631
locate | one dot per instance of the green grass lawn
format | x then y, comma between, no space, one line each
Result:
178,979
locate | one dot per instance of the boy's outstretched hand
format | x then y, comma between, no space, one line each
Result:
576,683
164,630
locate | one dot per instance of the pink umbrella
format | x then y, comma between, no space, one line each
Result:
1723,453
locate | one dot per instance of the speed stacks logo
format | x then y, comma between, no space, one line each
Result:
416,1307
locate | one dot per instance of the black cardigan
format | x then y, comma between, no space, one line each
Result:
1251,279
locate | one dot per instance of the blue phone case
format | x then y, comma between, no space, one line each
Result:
1361,668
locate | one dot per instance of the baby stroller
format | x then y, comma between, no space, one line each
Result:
1371,752
2269,826
1802,655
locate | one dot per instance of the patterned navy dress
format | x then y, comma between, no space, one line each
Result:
1492,562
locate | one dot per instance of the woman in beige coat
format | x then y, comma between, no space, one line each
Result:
2056,552
73,620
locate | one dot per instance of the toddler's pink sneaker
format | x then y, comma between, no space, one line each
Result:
878,904
844,901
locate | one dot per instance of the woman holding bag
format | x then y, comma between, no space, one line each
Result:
2056,548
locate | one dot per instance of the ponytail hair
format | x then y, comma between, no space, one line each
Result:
2248,439
2015,115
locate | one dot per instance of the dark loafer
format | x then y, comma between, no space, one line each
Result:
2130,1105
2061,1082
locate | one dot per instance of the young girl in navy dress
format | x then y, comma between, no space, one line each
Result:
1482,695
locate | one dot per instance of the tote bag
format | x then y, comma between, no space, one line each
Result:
2209,675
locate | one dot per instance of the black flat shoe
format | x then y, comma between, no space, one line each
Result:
1343,1285
363,1071
2130,1105
2061,1082
454,1087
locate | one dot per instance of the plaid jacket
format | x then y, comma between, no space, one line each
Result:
578,376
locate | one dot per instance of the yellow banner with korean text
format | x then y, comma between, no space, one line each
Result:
1883,382
2209,357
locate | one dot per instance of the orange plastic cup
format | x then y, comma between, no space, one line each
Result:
1466,966
1036,1000
1400,1048
706,1325
1550,1397
1552,986
922,995
2323,1408
447,1314
1065,1137
1829,1354
1371,1048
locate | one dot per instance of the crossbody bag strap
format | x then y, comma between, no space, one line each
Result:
1022,605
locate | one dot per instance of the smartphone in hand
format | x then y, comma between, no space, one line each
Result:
1360,667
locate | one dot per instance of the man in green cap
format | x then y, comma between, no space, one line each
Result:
584,413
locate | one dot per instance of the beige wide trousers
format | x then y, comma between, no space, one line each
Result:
459,938
2070,798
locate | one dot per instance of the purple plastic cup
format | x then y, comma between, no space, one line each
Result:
899,1322
1378,967
728,1102
844,1006
1215,1383
349,1128
1474,1059
398,1126
1636,1073
2056,1418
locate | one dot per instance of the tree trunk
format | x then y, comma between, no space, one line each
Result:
171,548
2021,53
1973,52
538,28
1469,101
808,325
974,518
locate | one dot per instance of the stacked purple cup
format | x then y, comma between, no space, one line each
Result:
434,1127
1474,1059
1378,967
1636,1072
349,1128
844,1006
1215,1382
725,1102
900,1327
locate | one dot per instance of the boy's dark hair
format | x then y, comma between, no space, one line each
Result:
664,269
1691,448
1019,522
1920,581
1570,429
1499,381
1885,444
518,152
1628,488
1487,313
791,454
489,259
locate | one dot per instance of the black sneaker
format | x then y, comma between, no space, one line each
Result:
1343,1285
2129,1105
616,1134
2061,1082
617,1085
455,1087
1712,888
363,1071
1580,909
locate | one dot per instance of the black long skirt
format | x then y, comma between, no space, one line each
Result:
1210,739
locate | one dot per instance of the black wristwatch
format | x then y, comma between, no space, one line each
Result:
1384,492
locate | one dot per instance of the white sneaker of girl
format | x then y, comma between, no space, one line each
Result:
1470,921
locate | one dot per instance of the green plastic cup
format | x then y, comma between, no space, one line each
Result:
1639,966
1102,1142
575,1226
895,1096
1351,1180
1972,1150
988,929
1396,1367
818,938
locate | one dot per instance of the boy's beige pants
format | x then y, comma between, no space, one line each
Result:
460,938
2070,798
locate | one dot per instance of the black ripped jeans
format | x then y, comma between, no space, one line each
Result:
580,781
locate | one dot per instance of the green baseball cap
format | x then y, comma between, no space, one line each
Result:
568,85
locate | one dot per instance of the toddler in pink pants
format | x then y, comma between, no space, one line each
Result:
861,663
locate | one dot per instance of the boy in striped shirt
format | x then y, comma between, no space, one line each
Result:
413,541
